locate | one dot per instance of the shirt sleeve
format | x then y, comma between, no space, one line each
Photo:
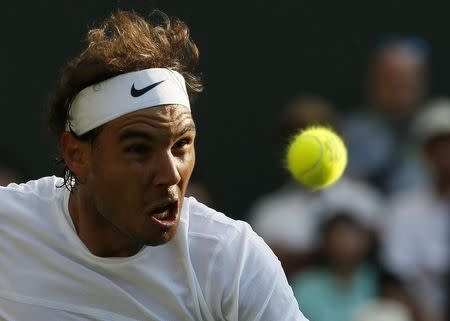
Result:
248,282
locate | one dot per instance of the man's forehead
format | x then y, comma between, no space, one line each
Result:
167,120
154,115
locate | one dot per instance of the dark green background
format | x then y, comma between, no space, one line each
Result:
255,56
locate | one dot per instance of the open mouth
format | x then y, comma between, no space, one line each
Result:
166,212
162,215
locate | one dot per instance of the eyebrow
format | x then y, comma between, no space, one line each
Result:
131,133
187,128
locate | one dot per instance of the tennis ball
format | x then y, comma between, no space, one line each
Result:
316,157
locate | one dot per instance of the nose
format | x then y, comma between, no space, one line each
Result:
166,170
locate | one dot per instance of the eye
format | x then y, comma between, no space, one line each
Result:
182,143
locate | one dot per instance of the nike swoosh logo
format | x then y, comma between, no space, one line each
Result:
139,92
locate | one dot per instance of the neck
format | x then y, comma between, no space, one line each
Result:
344,275
98,233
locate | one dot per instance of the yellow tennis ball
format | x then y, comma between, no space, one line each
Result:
316,157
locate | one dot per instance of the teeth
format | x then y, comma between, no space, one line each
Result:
162,215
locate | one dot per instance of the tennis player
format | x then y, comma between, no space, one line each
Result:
115,239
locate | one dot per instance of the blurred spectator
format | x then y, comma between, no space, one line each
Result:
8,173
287,218
283,217
392,289
304,111
345,280
383,310
392,304
376,134
7,176
199,191
416,233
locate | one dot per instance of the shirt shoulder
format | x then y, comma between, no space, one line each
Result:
44,187
207,223
29,198
217,231
240,276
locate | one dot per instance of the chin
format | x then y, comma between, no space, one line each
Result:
161,239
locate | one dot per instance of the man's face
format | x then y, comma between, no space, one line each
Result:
398,83
346,245
140,167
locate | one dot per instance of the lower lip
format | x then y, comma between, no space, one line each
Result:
167,222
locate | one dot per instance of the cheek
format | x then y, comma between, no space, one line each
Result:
185,168
110,164
115,181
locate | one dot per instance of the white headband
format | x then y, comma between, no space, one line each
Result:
117,96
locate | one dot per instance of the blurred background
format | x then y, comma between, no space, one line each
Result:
372,247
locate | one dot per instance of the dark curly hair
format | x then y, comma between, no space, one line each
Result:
123,43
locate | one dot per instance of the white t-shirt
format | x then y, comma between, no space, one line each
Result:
215,268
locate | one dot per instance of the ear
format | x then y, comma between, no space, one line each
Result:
76,154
